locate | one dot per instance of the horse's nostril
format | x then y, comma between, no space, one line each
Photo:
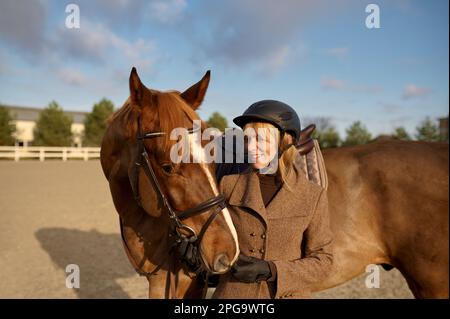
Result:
221,263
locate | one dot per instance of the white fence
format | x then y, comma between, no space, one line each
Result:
49,152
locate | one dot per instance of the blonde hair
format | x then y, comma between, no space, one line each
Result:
286,161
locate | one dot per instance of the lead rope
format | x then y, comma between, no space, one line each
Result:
172,282
205,287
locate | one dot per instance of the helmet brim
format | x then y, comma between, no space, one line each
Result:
247,118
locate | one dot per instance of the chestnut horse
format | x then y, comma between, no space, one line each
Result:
388,205
388,201
149,190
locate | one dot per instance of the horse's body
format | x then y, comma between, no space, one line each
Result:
388,205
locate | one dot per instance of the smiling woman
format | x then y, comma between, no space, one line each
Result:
284,236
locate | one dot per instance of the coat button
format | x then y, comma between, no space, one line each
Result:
263,236
262,251
252,234
252,250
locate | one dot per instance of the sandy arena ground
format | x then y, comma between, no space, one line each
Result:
57,213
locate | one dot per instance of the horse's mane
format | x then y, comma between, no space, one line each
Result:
171,113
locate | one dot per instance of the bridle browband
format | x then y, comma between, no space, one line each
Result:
176,218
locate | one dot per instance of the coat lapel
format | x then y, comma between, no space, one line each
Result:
243,190
247,193
286,199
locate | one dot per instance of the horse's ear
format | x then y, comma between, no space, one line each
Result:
195,94
136,88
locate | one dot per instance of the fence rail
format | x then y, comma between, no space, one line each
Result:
49,152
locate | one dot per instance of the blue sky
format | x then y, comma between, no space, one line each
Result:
318,56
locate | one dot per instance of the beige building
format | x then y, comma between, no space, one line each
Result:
25,119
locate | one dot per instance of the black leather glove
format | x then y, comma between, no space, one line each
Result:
188,253
250,269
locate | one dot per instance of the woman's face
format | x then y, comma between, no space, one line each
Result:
262,146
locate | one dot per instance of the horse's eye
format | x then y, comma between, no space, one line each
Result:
167,168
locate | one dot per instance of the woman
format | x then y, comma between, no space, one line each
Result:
281,218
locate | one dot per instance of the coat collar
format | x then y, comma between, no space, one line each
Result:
247,193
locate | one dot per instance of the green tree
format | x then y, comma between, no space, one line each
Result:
95,122
400,133
7,128
53,127
329,138
357,134
427,131
325,132
443,129
218,121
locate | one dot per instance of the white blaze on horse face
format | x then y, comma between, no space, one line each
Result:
199,156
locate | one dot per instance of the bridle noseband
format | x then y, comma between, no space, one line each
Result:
176,218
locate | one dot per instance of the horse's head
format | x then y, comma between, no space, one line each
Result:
186,186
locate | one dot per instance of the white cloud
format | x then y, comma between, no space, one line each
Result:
411,91
72,77
96,43
167,11
119,4
261,33
340,52
106,53
277,59
330,83
22,24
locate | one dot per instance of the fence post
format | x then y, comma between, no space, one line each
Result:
86,156
41,154
64,155
16,154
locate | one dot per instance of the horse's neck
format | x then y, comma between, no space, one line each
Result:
145,236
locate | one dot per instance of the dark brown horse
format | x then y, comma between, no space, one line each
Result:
388,205
148,196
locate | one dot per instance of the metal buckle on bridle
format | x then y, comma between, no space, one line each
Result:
191,236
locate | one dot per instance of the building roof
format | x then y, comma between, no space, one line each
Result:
23,113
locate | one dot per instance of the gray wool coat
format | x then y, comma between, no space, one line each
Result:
293,231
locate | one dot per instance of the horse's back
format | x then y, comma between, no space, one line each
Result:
393,161
394,195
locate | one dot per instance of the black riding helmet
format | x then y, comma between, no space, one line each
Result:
275,112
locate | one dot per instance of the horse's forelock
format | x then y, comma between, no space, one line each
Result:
123,121
173,112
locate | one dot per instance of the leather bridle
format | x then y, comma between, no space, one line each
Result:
178,229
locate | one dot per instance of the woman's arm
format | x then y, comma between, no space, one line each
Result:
298,275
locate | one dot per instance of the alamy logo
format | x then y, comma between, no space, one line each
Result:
373,19
73,277
373,278
73,17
